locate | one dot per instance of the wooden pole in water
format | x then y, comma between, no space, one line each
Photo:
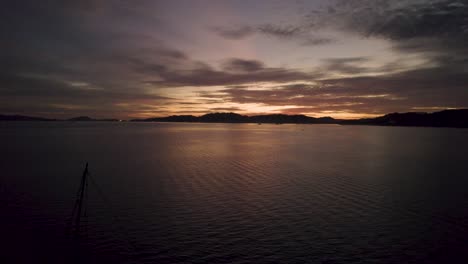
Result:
77,209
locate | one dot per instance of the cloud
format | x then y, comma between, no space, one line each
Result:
350,65
412,25
241,65
50,95
113,66
316,41
282,32
234,71
211,77
234,32
370,94
226,109
111,57
41,86
415,19
243,31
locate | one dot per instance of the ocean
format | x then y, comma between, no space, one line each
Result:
234,193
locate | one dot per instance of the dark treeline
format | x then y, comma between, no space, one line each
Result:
446,118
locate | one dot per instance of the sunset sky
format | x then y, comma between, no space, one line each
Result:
135,59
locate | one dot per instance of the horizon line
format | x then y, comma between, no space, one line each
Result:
245,115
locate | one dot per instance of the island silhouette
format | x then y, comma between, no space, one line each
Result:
447,118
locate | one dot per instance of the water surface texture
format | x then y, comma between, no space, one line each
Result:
235,193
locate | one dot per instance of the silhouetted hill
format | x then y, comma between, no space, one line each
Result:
80,118
290,119
236,118
446,118
23,118
32,118
87,118
174,118
223,118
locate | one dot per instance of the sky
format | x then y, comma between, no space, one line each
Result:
138,59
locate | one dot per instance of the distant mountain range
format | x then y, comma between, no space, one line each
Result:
23,118
87,118
236,118
447,118
33,118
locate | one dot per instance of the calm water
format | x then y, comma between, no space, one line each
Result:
235,193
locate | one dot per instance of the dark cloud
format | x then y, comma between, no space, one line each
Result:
285,32
370,94
40,86
346,65
45,95
441,21
280,31
212,77
77,56
241,65
436,30
166,52
234,32
415,19
225,109
240,32
424,26
316,41
234,71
